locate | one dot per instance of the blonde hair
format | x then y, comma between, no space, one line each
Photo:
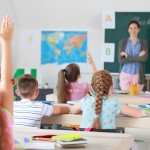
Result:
101,83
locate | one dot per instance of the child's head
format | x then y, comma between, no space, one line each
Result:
101,84
27,87
70,74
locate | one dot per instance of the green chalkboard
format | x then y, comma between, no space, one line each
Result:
121,32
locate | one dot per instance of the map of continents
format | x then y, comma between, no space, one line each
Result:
63,47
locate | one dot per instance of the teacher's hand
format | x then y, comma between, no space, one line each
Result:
142,53
124,54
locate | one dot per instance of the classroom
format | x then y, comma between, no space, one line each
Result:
34,20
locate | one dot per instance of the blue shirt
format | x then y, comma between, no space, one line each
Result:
132,51
110,109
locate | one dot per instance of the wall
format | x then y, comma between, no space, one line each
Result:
6,8
35,16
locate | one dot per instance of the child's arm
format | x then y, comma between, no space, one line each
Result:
57,109
131,111
6,33
91,62
75,109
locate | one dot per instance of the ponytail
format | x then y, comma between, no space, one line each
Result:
62,87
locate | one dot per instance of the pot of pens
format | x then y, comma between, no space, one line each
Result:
134,89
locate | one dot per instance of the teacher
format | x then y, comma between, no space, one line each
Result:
133,53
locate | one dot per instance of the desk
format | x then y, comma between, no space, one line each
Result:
96,140
42,94
121,121
133,100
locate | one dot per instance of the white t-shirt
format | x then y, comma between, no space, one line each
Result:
29,113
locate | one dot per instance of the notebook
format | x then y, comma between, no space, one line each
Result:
72,102
39,146
76,143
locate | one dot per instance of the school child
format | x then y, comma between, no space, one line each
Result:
28,112
68,87
6,86
98,109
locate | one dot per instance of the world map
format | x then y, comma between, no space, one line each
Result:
63,47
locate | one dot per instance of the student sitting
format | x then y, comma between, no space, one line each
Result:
29,112
98,110
68,87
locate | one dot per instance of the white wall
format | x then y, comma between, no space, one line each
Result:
6,8
35,16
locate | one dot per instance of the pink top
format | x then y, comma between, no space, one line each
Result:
6,133
78,91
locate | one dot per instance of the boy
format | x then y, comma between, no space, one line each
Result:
29,112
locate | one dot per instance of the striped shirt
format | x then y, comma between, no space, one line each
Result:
29,113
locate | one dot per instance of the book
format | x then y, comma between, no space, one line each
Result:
67,137
29,144
44,137
72,102
121,91
48,102
76,143
71,146
145,108
142,107
39,146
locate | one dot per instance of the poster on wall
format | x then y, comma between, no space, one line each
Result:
63,47
108,19
108,52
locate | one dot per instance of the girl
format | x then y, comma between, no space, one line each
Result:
6,88
132,57
68,87
98,110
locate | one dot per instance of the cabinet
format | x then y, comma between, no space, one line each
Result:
41,96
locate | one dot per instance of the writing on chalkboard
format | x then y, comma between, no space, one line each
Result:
142,22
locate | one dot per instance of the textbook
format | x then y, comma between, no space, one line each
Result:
72,102
121,91
28,144
76,143
145,108
67,137
39,146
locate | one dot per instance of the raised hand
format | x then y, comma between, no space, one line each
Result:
6,31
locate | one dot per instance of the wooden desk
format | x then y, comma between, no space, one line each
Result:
134,100
121,121
96,140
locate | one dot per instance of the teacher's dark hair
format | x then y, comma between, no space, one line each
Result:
134,22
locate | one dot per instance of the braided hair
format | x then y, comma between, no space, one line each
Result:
101,83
